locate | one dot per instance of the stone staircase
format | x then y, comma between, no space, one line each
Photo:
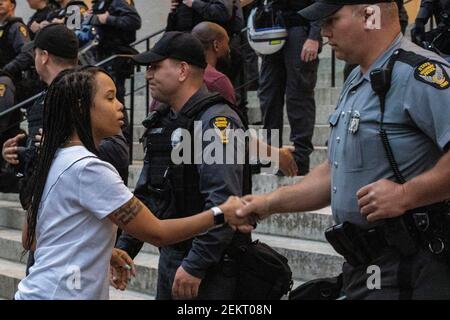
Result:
297,236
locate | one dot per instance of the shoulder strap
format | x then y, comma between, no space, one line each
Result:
208,101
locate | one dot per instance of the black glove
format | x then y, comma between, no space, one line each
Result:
418,32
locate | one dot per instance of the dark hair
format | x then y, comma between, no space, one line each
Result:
66,110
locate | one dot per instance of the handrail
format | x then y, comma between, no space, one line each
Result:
157,33
37,96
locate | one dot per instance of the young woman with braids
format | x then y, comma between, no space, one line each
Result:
78,199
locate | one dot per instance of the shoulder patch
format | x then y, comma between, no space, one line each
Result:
23,30
222,126
1,33
432,73
2,89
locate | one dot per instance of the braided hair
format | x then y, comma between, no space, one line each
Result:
66,110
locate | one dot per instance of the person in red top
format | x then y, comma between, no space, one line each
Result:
215,41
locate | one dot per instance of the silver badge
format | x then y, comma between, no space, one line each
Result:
354,123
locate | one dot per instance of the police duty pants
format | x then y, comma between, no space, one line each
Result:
284,73
219,283
393,277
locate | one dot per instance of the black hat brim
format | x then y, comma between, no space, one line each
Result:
147,58
319,11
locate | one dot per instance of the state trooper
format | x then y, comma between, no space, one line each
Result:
200,267
13,36
387,156
290,75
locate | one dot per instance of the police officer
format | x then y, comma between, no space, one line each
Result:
185,14
292,71
60,15
9,126
117,22
376,211
56,49
440,10
13,35
171,188
42,11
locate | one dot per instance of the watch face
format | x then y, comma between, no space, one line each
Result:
219,219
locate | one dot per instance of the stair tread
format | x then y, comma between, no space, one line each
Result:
17,271
150,259
296,244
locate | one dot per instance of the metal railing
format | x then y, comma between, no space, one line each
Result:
132,88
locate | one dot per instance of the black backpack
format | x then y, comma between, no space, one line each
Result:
263,273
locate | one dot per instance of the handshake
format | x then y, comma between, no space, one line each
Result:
240,214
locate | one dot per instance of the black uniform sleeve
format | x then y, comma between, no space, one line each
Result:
116,151
425,11
24,60
220,11
123,16
314,31
217,183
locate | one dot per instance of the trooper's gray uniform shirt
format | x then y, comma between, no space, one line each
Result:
416,120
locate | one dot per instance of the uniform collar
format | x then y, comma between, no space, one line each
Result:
197,96
384,57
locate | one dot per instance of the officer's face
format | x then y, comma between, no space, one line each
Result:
6,8
345,32
106,111
35,4
164,79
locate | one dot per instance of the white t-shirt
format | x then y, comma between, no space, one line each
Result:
74,237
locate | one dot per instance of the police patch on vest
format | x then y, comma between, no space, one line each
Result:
23,31
433,74
222,126
2,89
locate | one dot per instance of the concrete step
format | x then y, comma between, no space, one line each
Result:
323,96
322,114
302,225
308,260
11,214
12,272
321,133
318,156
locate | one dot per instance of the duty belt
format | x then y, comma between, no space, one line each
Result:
429,230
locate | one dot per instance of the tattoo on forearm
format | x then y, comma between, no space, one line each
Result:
128,211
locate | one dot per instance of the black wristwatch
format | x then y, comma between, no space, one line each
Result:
219,217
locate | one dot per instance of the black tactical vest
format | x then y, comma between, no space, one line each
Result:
185,19
7,52
172,190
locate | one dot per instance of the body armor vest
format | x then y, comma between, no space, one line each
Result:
7,52
172,190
